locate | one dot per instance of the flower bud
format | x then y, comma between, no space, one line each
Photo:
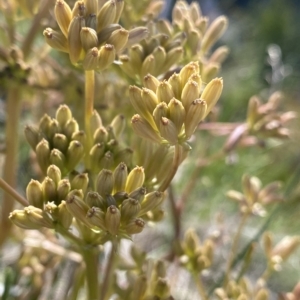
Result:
120,176
77,208
105,182
173,57
210,71
58,158
112,219
90,61
34,194
54,173
100,135
49,190
80,182
91,21
91,7
151,82
187,71
60,142
43,154
164,92
135,179
135,226
70,128
161,288
129,209
107,14
64,217
176,113
20,219
78,9
136,54
96,153
94,199
138,194
286,247
212,93
136,35
95,121
118,39
149,99
96,217
143,129
74,154
63,15
195,114
107,55
79,136
175,83
75,46
190,92
160,55
118,124
106,32
63,115
159,112
219,55
119,10
38,216
125,155
63,189
168,130
53,128
151,201
107,161
214,32
262,294
32,136
44,124
191,242
56,40
148,65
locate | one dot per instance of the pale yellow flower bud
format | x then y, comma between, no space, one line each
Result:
168,130
43,154
176,113
107,55
135,179
63,15
96,217
63,189
106,15
164,92
190,93
151,82
112,219
88,38
151,201
135,226
175,83
90,61
64,217
34,194
56,40
120,177
75,45
105,182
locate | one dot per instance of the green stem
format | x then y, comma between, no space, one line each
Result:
90,256
13,110
89,108
233,250
13,193
174,168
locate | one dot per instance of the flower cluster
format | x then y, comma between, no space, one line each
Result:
170,110
91,34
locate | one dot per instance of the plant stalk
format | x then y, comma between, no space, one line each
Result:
90,257
13,110
89,108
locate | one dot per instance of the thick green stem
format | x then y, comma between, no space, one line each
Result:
13,108
89,108
174,168
90,256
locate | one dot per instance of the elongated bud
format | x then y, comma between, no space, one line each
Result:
138,194
106,32
32,136
173,57
54,173
88,38
80,182
176,113
151,201
135,179
286,246
70,128
106,15
91,21
212,93
119,39
63,189
58,158
63,115
112,219
100,135
44,124
20,219
219,55
187,71
197,78
77,208
160,55
149,99
252,112
175,83
49,190
119,10
214,32
74,154
148,65
60,142
75,45
107,161
78,9
96,153
191,242
56,40
63,15
159,112
79,136
96,217
95,122
151,82
118,124
210,71
107,55
105,182
90,61
52,129
94,199
136,54
137,34
194,116
64,217
135,226
120,177
143,129
164,92
161,288
34,194
43,154
168,130
190,93
129,209
137,102
38,216
91,7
